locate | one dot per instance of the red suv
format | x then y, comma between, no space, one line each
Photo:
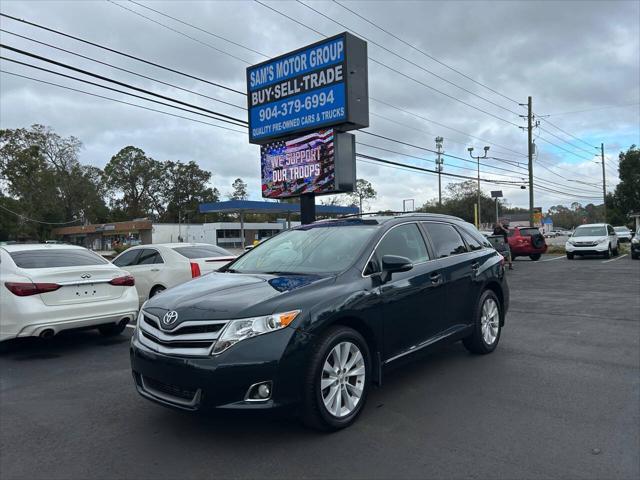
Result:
526,241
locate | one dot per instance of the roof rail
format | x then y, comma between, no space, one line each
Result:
387,213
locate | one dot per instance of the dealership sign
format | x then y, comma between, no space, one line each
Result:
321,85
320,162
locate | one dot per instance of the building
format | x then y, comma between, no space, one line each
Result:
108,235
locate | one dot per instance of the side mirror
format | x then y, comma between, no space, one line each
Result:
395,263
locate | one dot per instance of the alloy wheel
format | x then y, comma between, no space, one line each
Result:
490,321
343,379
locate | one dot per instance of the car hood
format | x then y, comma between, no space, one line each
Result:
223,296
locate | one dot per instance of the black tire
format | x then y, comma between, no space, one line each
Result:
475,342
616,251
113,329
314,412
535,256
635,256
537,241
569,256
609,253
156,290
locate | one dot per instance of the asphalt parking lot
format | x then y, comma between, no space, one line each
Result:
560,398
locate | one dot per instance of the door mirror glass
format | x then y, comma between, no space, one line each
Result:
396,263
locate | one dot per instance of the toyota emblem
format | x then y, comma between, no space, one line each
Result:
170,318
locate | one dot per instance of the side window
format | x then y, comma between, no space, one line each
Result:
611,230
127,258
471,240
149,256
446,240
405,241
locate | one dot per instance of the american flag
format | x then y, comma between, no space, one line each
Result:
322,183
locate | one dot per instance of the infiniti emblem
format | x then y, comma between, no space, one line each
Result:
170,318
85,275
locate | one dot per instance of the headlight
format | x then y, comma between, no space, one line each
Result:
635,240
603,240
570,242
237,330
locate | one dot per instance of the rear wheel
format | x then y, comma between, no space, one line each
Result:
337,380
535,256
486,326
113,329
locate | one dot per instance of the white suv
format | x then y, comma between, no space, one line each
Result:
592,239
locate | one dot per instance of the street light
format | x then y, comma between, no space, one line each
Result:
486,151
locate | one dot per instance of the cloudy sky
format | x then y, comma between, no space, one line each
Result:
578,60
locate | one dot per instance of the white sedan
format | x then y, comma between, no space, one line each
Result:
50,288
160,266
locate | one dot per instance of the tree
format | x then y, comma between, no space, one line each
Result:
362,193
239,190
136,184
627,193
41,170
185,187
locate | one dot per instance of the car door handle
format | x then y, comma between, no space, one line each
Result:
436,278
155,269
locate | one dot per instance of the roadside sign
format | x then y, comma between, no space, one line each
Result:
320,162
320,85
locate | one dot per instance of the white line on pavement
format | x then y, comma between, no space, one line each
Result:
555,258
614,259
130,325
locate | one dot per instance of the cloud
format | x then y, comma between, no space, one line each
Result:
567,55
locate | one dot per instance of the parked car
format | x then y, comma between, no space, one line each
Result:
635,245
312,316
160,266
50,288
592,239
551,234
526,242
624,234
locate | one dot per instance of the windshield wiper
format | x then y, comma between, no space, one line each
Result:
280,272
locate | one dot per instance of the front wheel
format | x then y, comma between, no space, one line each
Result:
337,380
535,256
609,253
616,251
569,256
486,326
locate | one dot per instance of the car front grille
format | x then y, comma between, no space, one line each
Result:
585,244
190,338
168,389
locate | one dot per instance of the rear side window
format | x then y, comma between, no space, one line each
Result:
203,251
404,241
148,257
529,232
127,259
56,258
446,239
472,242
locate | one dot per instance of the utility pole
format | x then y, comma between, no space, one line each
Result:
530,152
604,183
439,168
486,151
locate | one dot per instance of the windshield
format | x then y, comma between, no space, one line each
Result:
529,232
590,232
312,250
55,258
621,229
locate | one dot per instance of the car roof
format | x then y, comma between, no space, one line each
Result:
380,218
173,245
39,246
593,225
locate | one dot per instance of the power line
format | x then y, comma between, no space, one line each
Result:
567,133
123,69
565,141
122,84
247,62
25,218
564,149
391,68
122,101
425,53
116,90
593,109
405,58
124,54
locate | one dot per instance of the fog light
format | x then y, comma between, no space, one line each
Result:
259,392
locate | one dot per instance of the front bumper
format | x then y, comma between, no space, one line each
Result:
599,249
222,381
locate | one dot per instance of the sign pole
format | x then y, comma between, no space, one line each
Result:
307,208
